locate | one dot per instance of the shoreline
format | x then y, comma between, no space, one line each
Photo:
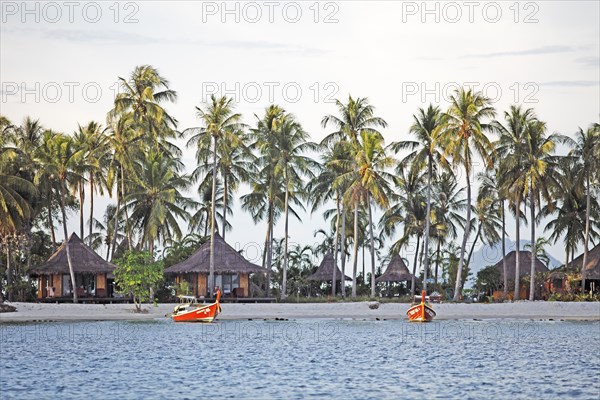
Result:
540,310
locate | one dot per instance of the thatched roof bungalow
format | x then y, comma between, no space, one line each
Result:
396,271
231,270
524,270
92,273
592,267
524,265
325,271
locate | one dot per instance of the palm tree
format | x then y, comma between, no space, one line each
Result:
409,211
372,179
354,118
325,187
234,164
266,199
93,139
586,149
156,202
464,129
285,149
141,96
124,142
220,123
569,209
537,173
491,187
487,214
427,127
508,148
60,162
448,207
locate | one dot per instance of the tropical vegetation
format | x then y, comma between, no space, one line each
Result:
421,195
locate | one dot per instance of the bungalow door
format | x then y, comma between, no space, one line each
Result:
67,290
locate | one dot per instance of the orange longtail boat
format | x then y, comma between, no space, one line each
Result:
195,312
421,312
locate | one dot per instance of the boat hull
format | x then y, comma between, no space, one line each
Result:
197,314
420,313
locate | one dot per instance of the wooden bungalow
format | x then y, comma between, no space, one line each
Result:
592,268
325,271
93,274
558,280
524,270
231,270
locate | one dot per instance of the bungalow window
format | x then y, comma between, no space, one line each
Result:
558,283
227,282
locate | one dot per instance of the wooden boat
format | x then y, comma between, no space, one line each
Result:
192,311
421,312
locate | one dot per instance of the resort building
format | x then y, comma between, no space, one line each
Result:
592,268
396,271
232,271
524,271
93,275
325,271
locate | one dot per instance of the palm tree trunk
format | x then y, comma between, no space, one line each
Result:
81,202
427,221
270,247
473,245
505,291
518,238
413,280
206,223
51,221
225,200
343,254
211,271
355,250
91,225
463,247
116,223
66,243
533,249
127,228
587,230
264,256
9,280
364,278
285,239
437,265
372,247
336,242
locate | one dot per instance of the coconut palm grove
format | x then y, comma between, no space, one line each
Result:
376,198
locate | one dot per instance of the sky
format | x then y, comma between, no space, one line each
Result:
60,62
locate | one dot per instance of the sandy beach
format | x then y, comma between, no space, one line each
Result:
36,312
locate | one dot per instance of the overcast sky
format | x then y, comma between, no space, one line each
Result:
301,55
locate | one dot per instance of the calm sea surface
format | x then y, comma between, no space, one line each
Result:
301,359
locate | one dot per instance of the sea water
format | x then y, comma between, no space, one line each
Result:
345,359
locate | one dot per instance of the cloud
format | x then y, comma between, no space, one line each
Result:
527,52
113,37
589,62
570,83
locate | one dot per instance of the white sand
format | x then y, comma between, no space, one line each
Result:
28,312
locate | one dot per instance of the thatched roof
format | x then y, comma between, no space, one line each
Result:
83,258
592,268
227,261
325,271
524,265
395,272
